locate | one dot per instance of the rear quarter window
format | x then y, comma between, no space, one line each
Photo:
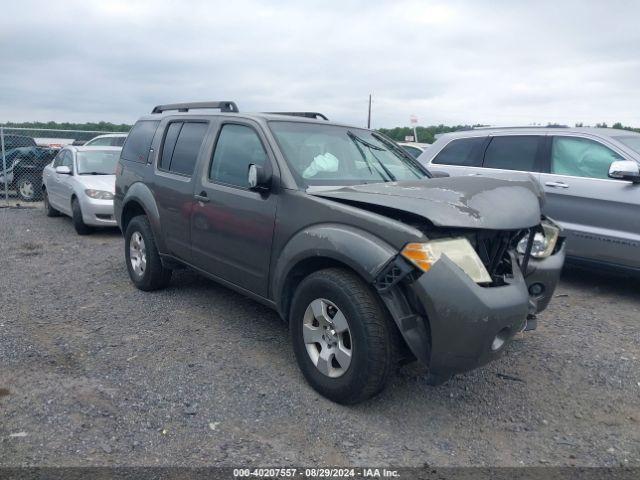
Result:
463,152
136,147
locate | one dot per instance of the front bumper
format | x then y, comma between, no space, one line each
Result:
98,213
453,325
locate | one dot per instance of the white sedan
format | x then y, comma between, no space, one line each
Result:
108,140
80,183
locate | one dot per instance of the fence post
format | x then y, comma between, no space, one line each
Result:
4,168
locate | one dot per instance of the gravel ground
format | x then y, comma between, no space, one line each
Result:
94,372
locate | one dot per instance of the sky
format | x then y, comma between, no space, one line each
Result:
449,62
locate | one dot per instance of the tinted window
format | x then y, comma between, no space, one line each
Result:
169,144
237,147
463,152
580,157
136,148
185,153
512,153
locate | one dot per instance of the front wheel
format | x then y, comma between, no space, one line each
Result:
143,260
48,209
76,218
26,189
342,336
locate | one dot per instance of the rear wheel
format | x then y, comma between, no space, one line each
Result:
48,209
143,260
342,336
76,218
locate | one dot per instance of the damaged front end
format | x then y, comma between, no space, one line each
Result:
466,317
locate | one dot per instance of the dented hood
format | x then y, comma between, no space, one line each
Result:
465,202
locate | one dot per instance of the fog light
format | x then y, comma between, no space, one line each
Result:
500,339
536,289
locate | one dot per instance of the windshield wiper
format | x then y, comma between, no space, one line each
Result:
403,152
94,173
356,139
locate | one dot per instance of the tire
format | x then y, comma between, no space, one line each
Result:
371,338
27,190
148,274
76,218
48,209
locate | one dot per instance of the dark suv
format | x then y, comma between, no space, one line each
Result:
369,258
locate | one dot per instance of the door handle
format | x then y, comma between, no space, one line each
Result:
474,174
557,184
202,197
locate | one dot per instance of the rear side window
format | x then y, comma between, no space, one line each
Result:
136,148
462,152
238,146
181,147
512,153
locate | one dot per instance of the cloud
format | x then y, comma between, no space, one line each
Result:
448,62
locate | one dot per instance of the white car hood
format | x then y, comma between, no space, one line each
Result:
98,182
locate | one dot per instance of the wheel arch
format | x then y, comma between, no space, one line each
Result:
139,200
325,246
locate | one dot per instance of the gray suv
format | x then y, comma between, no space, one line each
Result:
369,259
591,177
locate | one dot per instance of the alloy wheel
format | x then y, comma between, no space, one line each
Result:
137,254
327,338
26,189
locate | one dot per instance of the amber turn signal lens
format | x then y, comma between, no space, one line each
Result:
417,254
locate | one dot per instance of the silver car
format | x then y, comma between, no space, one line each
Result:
80,183
591,177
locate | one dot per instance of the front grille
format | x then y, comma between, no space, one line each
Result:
494,249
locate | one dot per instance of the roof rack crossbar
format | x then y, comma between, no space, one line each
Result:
315,115
185,107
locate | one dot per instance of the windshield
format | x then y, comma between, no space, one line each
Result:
632,142
334,155
98,162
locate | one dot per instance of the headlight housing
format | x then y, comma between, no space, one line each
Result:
458,250
99,194
544,242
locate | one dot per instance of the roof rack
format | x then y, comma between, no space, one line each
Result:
315,115
506,127
185,107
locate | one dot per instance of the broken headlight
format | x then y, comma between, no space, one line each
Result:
544,242
459,251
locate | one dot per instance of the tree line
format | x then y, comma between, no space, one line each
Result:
91,126
425,134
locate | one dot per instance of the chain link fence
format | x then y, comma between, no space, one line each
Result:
25,152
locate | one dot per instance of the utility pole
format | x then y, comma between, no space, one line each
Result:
369,116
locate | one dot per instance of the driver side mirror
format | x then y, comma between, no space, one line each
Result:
258,178
625,170
63,170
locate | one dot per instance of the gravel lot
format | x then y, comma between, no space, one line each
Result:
94,372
